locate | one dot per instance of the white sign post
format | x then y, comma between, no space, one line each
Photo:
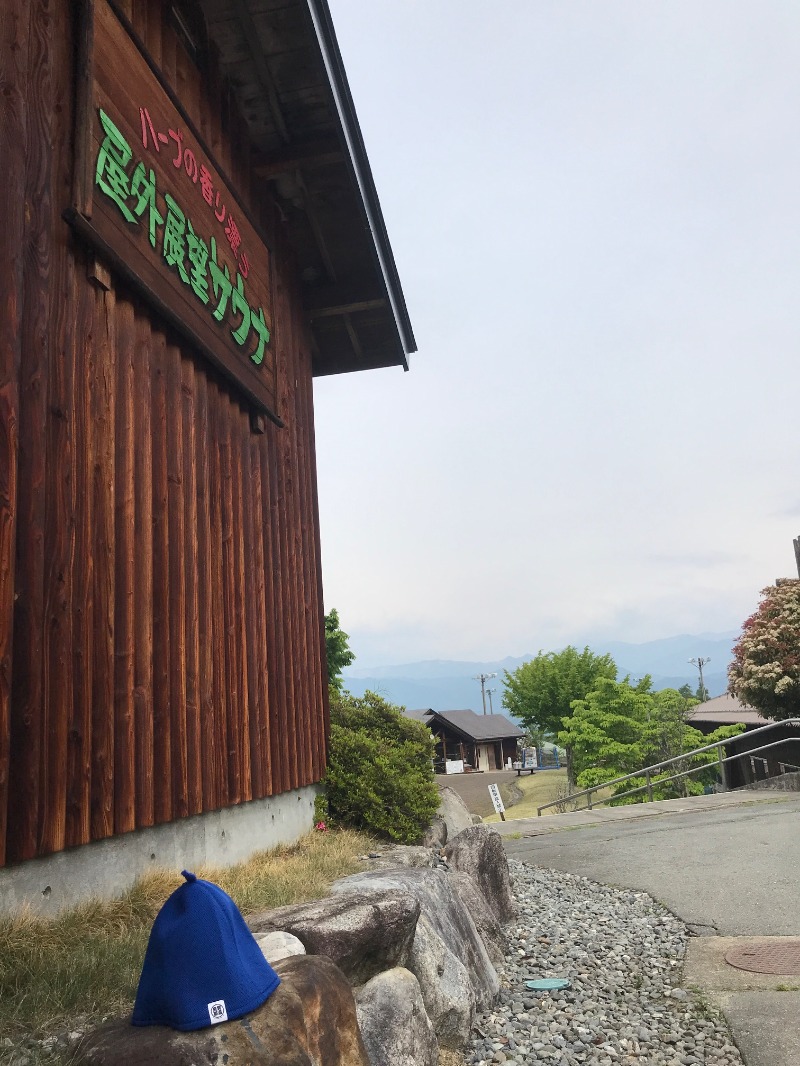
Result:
494,793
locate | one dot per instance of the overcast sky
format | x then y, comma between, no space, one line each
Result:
594,206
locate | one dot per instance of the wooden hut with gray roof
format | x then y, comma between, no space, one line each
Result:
479,741
191,235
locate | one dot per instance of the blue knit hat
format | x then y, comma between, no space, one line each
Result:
202,965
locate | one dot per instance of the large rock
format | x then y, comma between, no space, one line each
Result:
445,985
404,855
478,852
448,957
435,835
280,945
363,933
453,811
309,1020
486,922
394,1024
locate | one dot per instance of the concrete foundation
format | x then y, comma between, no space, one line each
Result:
107,868
782,783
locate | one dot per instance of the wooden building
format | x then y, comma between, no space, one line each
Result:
781,757
476,741
191,233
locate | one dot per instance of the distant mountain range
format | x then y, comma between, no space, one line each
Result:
447,685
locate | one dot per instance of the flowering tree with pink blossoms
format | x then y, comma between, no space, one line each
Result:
765,672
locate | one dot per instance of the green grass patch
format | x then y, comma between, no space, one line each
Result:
538,789
59,973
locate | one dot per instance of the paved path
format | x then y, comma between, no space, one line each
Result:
726,864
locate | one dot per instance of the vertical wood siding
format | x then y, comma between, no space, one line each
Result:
14,75
161,636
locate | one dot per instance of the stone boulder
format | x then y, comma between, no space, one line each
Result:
412,855
453,811
448,956
363,933
309,1020
394,1024
436,834
280,945
445,984
486,922
478,852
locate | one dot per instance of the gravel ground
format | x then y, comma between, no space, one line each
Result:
623,954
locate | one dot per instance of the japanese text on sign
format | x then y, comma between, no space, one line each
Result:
497,802
198,173
190,253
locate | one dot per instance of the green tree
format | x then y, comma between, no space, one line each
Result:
699,695
534,738
338,650
606,731
765,672
667,723
620,728
669,735
380,769
540,692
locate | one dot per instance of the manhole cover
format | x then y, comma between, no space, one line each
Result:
766,958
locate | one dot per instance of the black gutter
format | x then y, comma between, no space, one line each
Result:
362,172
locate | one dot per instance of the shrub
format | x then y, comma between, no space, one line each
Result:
380,771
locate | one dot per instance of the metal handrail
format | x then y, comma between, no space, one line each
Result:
647,771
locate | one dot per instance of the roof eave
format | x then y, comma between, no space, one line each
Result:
361,171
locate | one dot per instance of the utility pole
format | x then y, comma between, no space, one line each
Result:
483,678
700,663
490,693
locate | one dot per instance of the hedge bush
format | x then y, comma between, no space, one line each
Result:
380,771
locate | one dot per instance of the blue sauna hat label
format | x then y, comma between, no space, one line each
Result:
202,965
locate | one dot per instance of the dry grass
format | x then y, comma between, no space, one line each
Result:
295,874
85,964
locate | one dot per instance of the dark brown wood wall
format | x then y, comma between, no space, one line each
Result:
161,638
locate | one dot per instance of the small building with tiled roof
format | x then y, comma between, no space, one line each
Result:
724,710
782,756
479,741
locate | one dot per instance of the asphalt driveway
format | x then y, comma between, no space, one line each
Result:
734,867
728,865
